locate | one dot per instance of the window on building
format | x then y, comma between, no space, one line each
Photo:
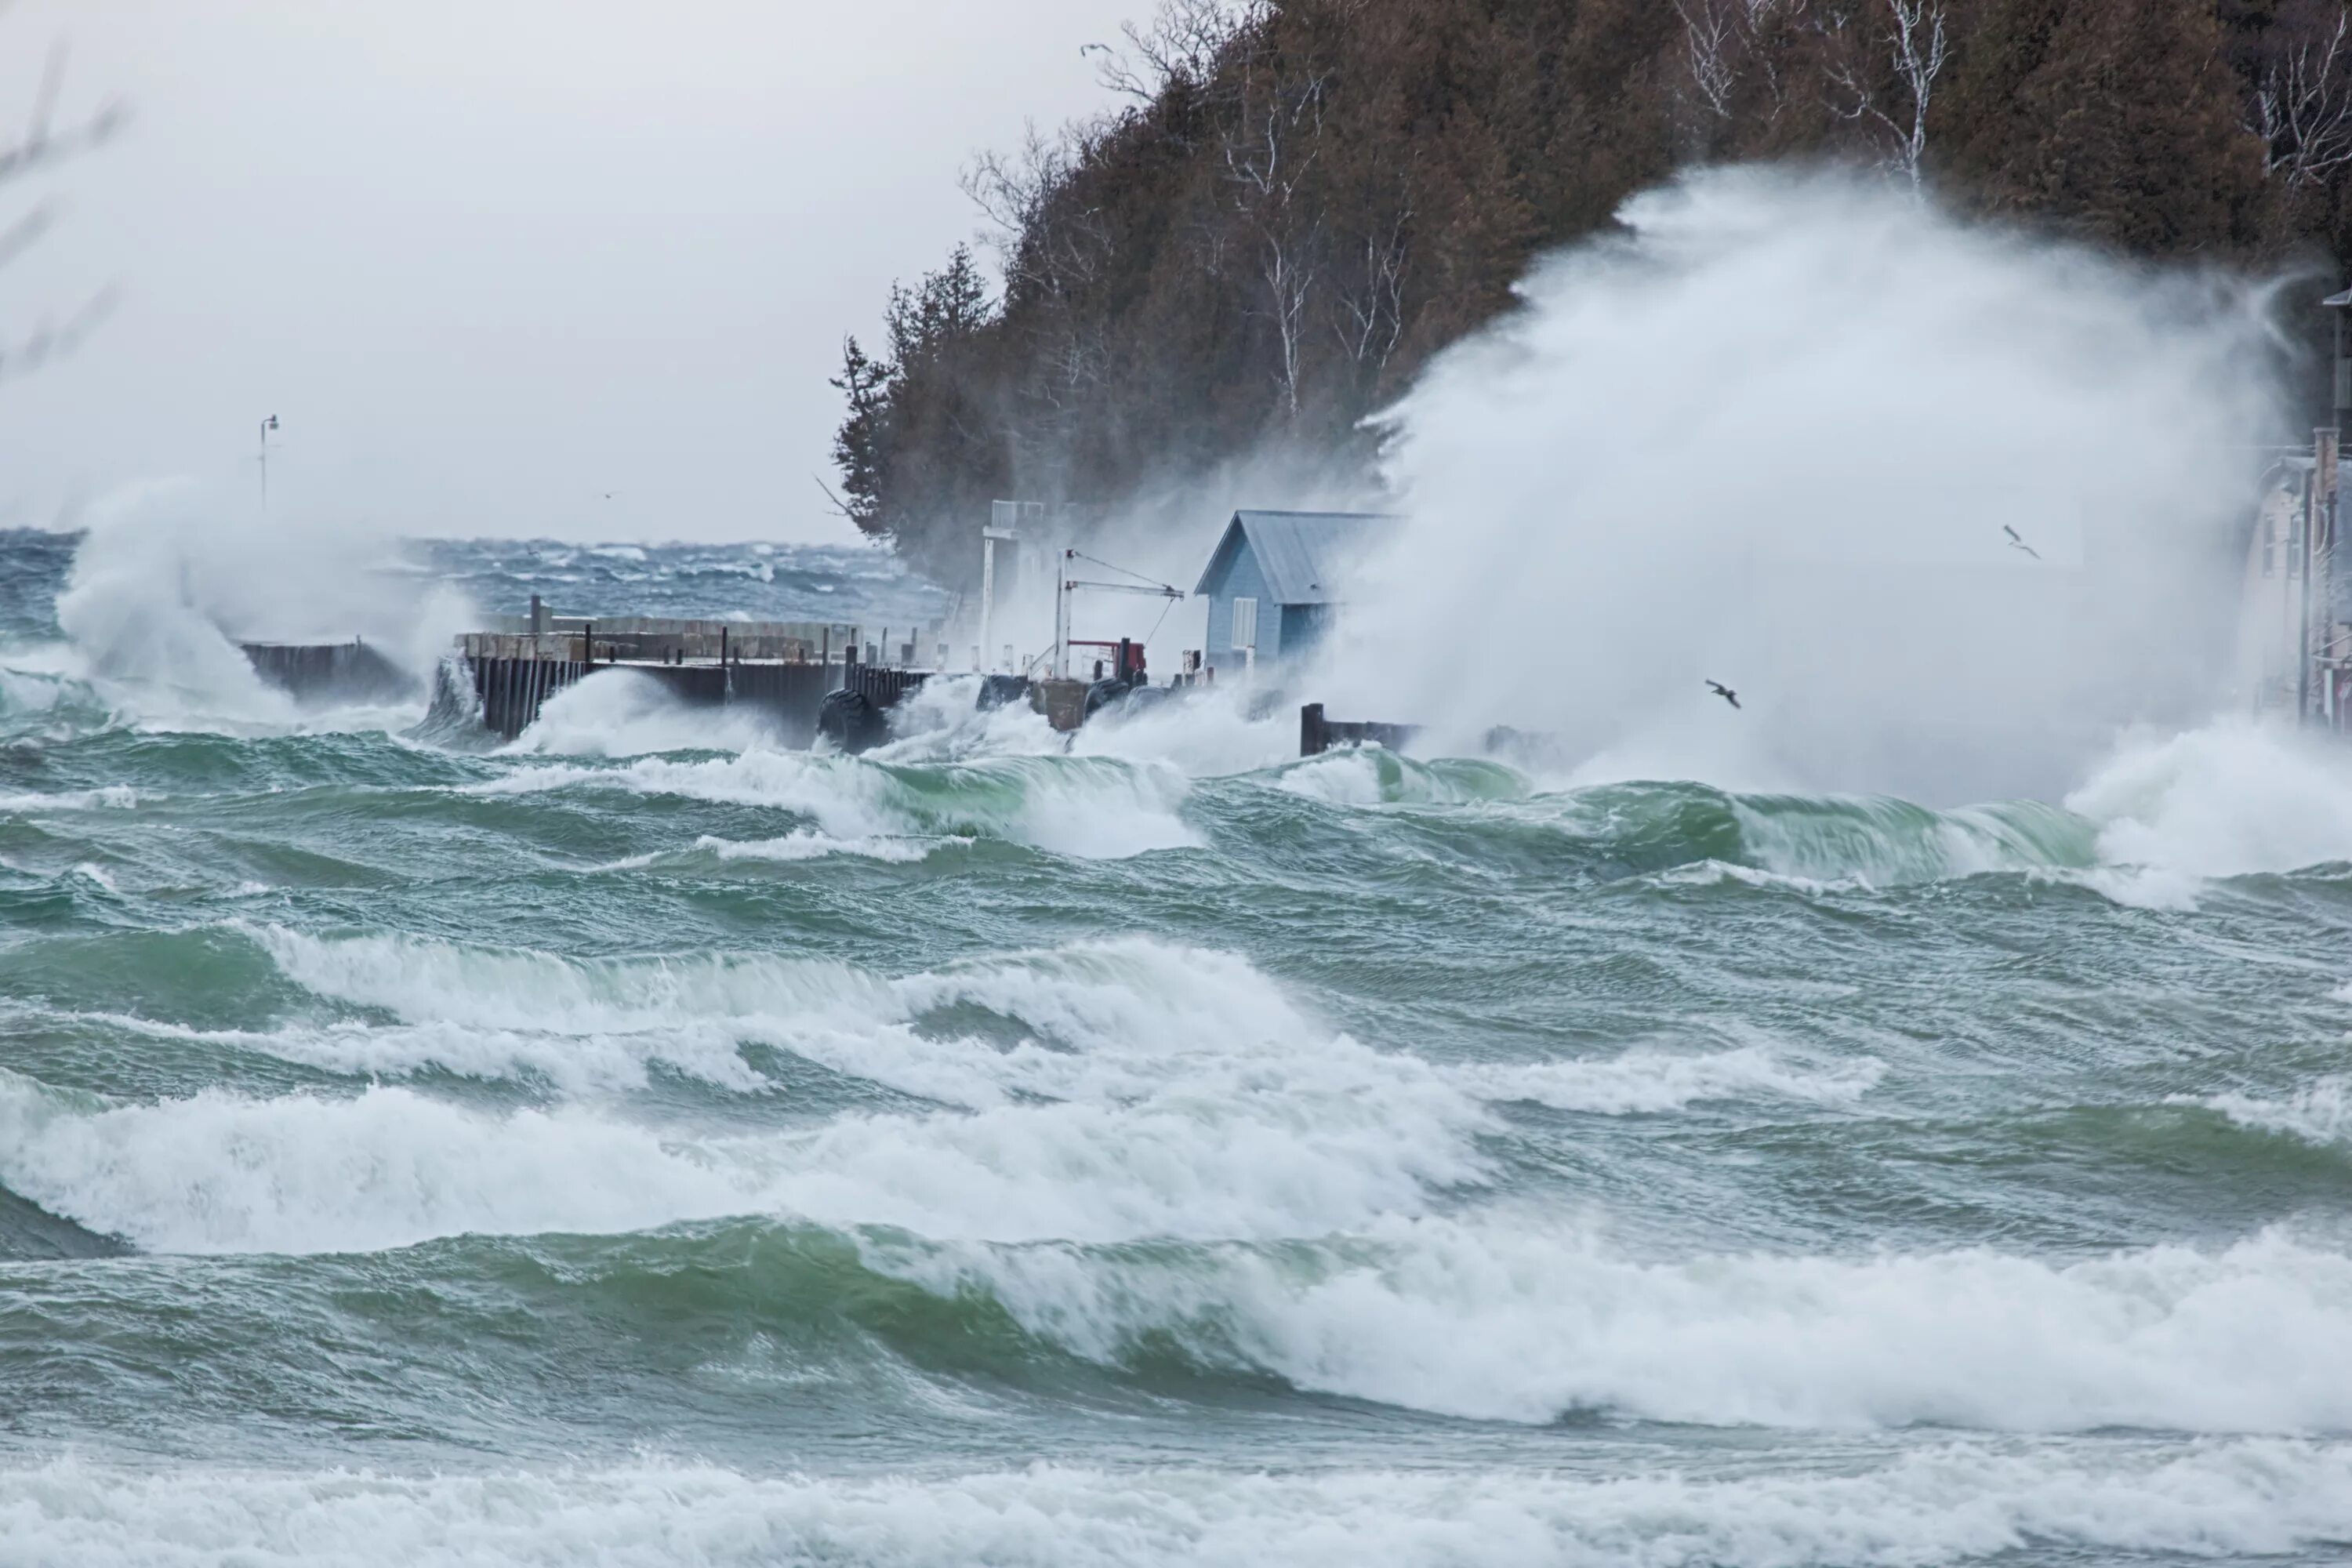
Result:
1244,623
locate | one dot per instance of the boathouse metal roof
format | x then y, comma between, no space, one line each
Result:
1303,554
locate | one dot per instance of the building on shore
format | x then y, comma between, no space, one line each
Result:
1275,581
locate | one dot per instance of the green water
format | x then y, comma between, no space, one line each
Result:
649,1147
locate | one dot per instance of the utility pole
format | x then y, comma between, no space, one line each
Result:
1061,613
2318,706
266,427
990,537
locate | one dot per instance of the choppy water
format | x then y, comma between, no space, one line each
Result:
643,1146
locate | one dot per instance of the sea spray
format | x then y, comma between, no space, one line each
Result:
1771,435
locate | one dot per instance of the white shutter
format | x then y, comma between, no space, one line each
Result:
1245,622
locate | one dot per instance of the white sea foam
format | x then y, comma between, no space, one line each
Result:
942,722
1949,1504
1206,733
2225,800
1649,1080
629,713
1093,808
303,1174
1107,1023
220,1173
1372,776
2319,1112
1510,1316
1154,1092
1714,873
806,844
109,797
1120,1016
1307,1190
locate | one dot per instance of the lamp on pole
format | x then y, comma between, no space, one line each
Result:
266,427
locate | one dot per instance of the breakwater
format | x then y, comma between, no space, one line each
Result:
331,672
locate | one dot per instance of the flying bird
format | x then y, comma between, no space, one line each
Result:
2017,544
1724,691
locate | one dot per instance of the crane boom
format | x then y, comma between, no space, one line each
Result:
1065,586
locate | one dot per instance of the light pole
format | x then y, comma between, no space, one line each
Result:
266,427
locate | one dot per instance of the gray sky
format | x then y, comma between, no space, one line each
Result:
488,259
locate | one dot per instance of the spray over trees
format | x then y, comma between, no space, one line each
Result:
1300,202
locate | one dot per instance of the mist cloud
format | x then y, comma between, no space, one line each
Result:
1771,435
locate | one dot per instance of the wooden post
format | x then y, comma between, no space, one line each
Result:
722,646
1312,736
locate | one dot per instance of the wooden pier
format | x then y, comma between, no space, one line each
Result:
807,679
512,675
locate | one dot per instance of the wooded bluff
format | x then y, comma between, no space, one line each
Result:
1301,201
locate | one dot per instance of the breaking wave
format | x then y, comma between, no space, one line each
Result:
1948,1503
1091,807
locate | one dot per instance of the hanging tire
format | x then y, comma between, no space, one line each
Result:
851,722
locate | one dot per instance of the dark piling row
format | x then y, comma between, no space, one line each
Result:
331,672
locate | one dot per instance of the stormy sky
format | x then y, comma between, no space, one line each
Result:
488,260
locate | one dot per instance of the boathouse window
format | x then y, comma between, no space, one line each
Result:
1245,622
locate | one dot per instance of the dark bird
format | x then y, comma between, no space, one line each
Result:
610,494
1724,691
2017,544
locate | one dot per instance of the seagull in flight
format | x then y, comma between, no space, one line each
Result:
2017,544
1724,691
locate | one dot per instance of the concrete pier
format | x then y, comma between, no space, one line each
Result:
331,672
513,674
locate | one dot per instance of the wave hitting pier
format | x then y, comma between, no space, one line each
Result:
783,669
331,672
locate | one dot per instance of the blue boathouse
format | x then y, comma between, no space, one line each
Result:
1274,582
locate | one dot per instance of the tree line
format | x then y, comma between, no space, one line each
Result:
1299,201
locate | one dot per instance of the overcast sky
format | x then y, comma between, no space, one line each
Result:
489,259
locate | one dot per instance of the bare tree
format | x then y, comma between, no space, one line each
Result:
1915,34
1181,44
1370,316
2301,107
1054,247
1712,45
1269,149
1044,238
45,145
1727,43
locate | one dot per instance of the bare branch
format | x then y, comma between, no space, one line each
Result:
1711,42
1181,46
2301,104
55,340
43,146
1918,42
